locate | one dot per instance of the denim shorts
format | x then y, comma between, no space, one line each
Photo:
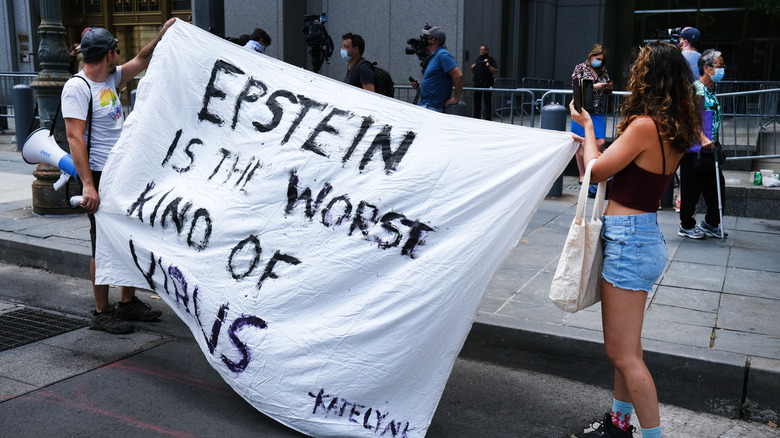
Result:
634,251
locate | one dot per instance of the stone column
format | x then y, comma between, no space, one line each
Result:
54,59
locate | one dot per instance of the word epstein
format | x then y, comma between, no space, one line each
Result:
370,418
320,117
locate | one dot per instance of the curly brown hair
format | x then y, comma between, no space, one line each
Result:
661,87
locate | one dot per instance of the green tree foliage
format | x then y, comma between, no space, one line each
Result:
769,7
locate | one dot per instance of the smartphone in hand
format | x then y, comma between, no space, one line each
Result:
587,94
577,91
583,94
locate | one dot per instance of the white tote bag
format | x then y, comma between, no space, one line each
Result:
576,284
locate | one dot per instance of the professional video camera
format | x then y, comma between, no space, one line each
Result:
671,35
419,47
318,39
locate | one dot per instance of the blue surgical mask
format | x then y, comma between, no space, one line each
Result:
345,55
596,63
719,73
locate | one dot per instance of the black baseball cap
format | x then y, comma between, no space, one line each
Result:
691,34
96,42
436,33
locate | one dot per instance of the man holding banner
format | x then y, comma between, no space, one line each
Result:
327,247
97,86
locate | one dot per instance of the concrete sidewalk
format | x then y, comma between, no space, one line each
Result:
711,333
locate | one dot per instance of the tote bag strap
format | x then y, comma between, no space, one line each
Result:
598,205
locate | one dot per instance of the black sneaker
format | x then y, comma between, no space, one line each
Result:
108,321
712,231
136,310
606,429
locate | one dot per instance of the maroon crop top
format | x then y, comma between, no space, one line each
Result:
638,188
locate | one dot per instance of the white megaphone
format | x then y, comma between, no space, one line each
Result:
40,146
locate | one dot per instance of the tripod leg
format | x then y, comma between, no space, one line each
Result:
316,58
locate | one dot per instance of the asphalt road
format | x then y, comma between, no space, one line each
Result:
169,389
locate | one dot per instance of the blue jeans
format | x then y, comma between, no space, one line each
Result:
431,107
635,252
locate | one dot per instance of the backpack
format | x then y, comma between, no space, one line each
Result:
383,82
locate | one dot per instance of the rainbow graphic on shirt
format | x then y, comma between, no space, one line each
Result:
108,97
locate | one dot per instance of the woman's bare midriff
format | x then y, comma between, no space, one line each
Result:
615,208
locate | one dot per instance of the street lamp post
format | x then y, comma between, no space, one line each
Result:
54,58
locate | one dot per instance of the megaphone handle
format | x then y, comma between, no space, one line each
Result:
64,177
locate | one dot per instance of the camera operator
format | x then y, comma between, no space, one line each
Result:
689,38
318,40
440,75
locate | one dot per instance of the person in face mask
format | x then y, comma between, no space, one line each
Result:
258,41
360,73
695,180
594,68
688,40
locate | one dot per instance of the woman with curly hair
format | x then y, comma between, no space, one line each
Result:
660,120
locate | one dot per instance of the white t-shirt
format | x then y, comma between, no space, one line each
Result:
107,115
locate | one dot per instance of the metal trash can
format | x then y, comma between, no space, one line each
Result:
459,109
24,112
554,117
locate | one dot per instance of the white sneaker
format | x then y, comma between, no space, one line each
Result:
712,231
693,233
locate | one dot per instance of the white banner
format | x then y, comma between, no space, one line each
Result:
328,247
